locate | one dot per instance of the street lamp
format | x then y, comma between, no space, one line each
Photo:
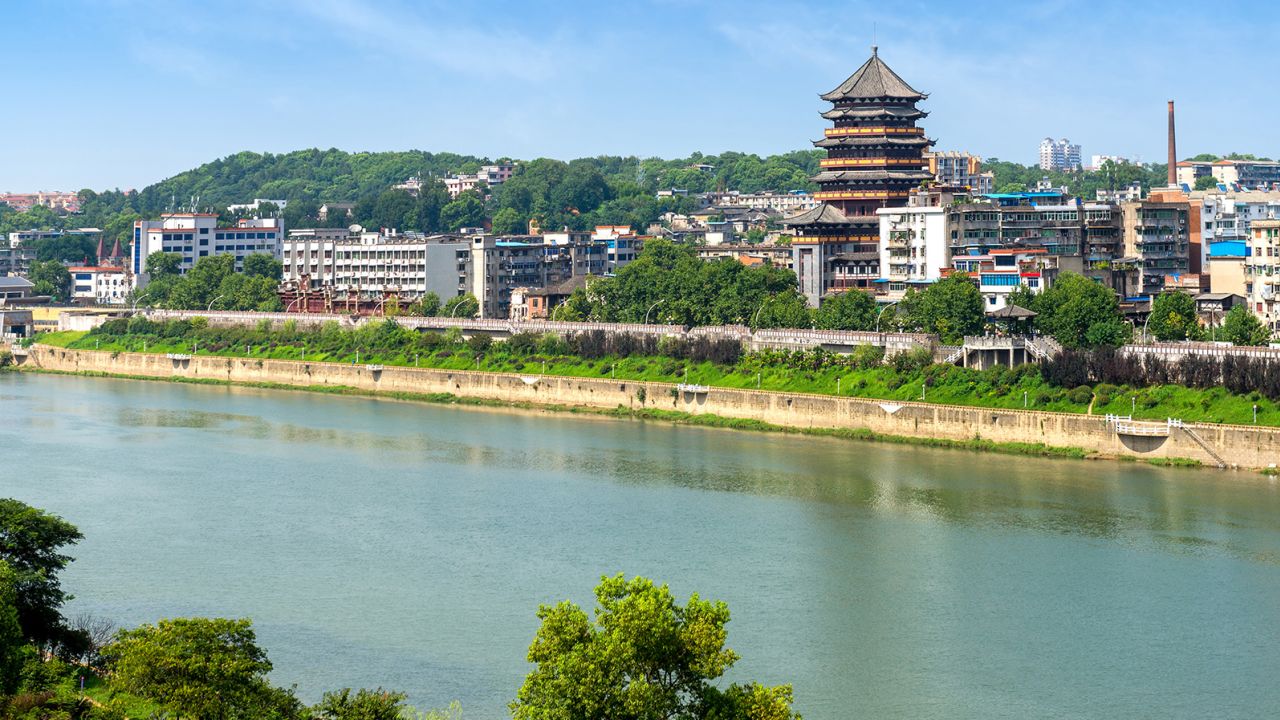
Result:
1144,328
886,307
138,299
651,307
211,302
378,308
756,315
292,303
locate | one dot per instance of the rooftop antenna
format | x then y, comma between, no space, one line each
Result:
874,46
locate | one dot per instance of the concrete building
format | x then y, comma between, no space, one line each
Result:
1000,271
1157,233
489,175
1095,161
195,235
16,260
1262,271
622,245
1130,193
768,202
960,170
20,238
99,284
374,264
914,247
256,205
1189,171
1059,155
1248,174
1226,267
54,200
499,265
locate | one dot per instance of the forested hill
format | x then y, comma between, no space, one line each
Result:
601,190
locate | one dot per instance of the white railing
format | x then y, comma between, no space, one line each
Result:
695,389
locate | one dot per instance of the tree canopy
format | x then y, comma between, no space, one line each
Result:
951,308
1078,312
642,656
31,543
1242,327
1173,317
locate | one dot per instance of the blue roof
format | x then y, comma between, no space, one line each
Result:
1020,195
1229,248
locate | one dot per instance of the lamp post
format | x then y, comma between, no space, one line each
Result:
211,302
886,307
1144,328
378,308
292,303
651,307
138,299
756,315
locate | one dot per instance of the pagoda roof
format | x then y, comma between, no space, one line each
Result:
874,80
904,113
850,175
823,214
864,141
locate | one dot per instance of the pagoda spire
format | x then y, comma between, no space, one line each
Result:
102,248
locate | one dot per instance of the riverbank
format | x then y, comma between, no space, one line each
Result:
1018,431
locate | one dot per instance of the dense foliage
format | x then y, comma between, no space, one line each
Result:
212,283
1076,311
1013,177
642,655
1238,375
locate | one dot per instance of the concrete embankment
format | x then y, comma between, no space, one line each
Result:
1211,445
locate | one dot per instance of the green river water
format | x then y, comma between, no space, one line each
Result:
409,546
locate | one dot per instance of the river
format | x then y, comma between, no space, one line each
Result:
382,543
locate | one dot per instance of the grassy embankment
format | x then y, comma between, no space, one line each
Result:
941,384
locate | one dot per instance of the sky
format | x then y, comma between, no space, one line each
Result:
123,93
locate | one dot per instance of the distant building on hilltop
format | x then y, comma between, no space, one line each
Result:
960,170
1059,155
22,202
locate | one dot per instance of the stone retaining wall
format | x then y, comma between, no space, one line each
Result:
1243,446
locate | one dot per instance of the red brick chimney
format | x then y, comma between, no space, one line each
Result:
1173,151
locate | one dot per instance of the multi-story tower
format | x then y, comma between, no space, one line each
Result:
1059,155
874,159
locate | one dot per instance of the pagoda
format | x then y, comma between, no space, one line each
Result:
874,160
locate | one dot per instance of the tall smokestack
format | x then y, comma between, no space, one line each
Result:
1173,151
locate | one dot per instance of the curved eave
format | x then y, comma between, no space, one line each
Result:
853,176
872,141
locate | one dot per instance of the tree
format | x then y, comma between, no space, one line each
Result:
362,705
852,310
465,211
30,543
575,308
1241,327
426,306
1206,182
1080,313
207,668
50,277
162,263
1173,317
507,221
951,308
461,306
643,656
784,310
11,641
263,265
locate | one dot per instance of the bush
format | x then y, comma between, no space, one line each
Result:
867,356
1080,395
479,343
912,361
524,343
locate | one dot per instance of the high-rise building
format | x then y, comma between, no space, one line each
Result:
192,236
1059,155
874,159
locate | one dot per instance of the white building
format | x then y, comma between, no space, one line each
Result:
195,235
621,245
257,204
99,284
1095,161
771,202
25,237
373,264
490,175
1059,155
1227,216
914,247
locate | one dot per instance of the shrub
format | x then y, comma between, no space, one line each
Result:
867,356
479,343
523,343
1080,395
912,361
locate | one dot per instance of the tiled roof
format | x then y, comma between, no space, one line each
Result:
873,80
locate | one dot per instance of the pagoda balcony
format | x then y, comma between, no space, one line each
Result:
839,162
842,131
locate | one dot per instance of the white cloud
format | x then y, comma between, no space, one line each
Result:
400,31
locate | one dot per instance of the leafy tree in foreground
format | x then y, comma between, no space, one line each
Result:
1080,313
198,668
643,656
951,307
30,541
1173,317
853,310
11,641
461,306
361,705
1241,327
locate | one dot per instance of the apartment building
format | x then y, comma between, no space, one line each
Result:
407,266
769,202
19,238
960,170
99,284
1157,234
502,264
1059,155
195,235
490,175
1262,271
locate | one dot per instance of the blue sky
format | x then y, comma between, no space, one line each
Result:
122,93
